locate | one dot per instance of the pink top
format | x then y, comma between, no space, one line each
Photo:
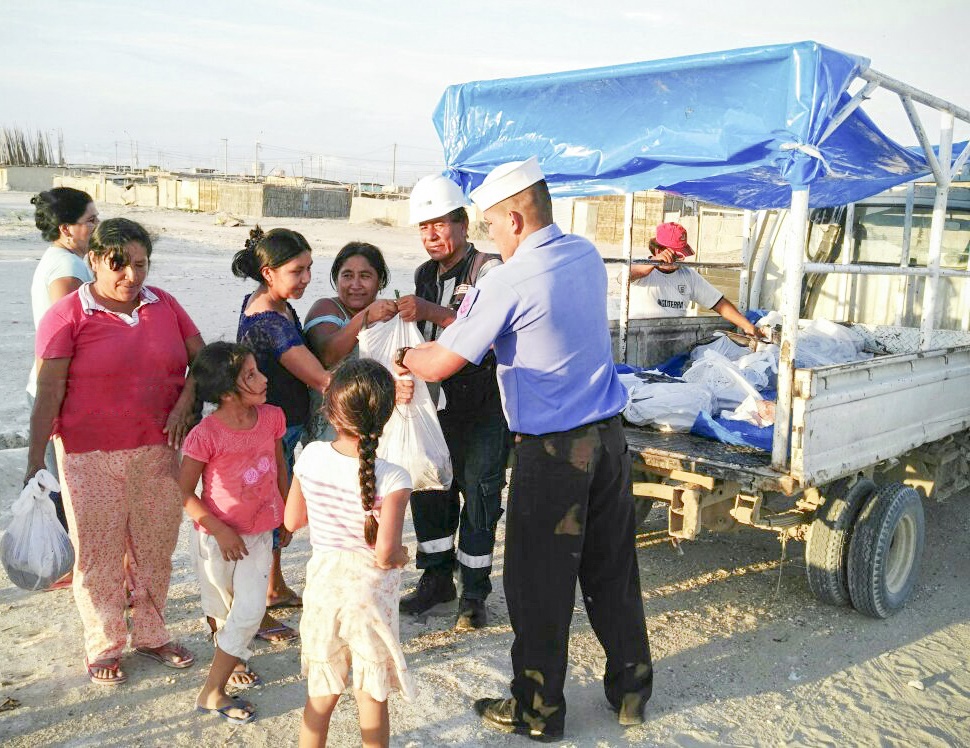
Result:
239,483
126,373
331,487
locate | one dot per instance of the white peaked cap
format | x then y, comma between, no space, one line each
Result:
507,180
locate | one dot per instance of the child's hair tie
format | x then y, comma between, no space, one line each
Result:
369,513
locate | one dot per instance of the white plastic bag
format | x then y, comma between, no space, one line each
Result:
721,344
412,437
723,378
667,406
35,550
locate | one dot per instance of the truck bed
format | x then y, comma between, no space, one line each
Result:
845,417
661,452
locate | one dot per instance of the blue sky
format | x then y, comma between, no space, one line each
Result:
330,87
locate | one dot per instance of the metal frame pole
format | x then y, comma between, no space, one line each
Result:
931,312
848,247
625,276
790,312
747,252
902,294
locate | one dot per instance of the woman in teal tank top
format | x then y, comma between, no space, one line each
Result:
358,274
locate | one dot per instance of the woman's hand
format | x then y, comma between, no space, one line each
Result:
285,536
398,559
380,310
232,546
31,472
403,389
180,421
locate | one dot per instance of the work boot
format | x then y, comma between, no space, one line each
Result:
471,614
501,714
433,588
631,710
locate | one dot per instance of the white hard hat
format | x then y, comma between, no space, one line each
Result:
434,197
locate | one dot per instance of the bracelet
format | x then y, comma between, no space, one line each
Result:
400,354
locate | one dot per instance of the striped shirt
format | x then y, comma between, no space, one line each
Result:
331,487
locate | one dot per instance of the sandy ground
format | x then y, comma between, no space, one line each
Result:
741,658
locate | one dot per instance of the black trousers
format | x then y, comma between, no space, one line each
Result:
570,516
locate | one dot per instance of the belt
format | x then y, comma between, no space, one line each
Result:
603,422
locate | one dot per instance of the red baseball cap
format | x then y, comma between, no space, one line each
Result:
673,236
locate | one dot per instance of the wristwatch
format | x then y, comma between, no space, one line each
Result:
399,356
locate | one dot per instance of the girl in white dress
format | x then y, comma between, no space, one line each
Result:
354,504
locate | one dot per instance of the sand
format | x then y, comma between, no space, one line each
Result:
740,658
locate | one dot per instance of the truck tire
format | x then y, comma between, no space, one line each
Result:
886,550
827,549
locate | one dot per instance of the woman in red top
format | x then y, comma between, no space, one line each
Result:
111,389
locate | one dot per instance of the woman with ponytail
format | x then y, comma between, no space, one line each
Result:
354,503
279,261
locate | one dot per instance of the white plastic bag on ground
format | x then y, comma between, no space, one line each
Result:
667,406
412,437
35,549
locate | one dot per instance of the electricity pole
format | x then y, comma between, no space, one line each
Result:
225,171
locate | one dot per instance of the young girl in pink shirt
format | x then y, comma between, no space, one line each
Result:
238,453
354,504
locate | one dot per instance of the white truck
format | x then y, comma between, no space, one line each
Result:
870,441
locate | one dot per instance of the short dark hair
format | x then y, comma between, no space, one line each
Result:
216,368
267,250
112,236
56,207
369,252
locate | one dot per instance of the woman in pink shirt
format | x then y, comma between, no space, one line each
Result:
112,390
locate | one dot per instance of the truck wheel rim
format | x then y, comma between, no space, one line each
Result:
902,551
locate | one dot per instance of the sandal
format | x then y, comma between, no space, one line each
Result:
179,657
112,665
278,633
291,600
223,711
252,675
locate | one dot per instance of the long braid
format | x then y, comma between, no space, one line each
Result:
368,484
359,401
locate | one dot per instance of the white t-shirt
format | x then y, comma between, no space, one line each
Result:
331,487
669,294
55,263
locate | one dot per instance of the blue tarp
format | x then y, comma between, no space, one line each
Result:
736,128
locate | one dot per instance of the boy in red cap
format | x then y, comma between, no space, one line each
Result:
675,286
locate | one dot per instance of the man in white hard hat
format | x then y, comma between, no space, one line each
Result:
472,420
570,510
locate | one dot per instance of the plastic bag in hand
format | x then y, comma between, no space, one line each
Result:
412,437
35,550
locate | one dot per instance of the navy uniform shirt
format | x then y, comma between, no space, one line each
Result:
545,312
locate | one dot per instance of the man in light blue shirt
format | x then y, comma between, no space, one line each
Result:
570,511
